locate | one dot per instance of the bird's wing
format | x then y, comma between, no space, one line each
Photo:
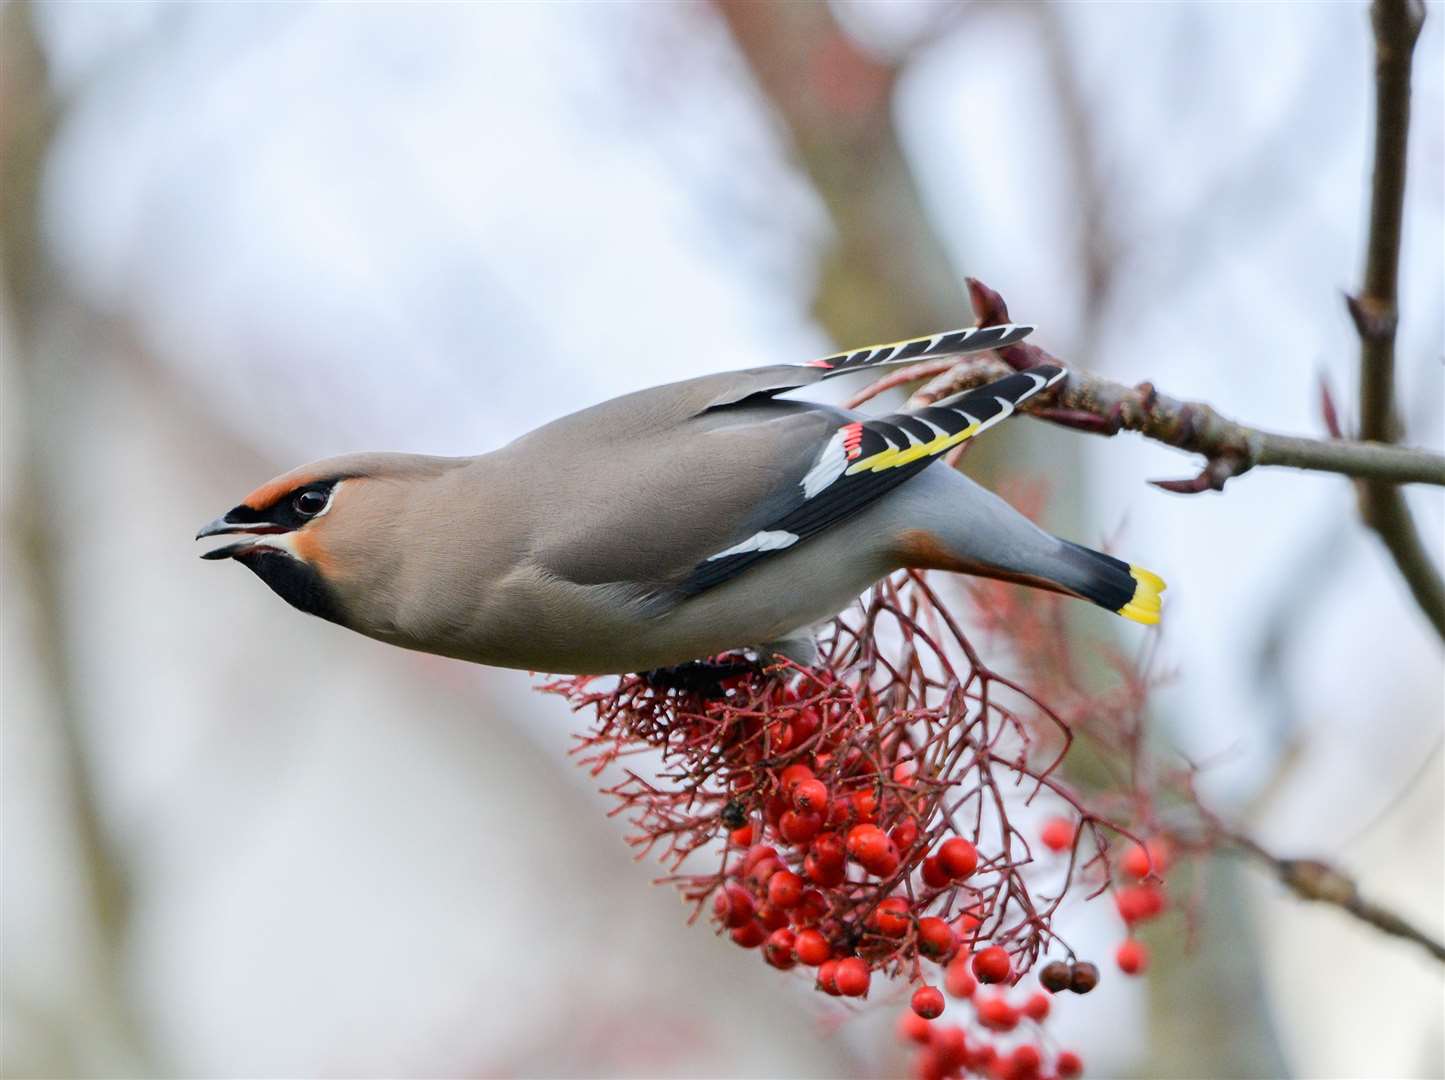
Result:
671,490
860,460
741,385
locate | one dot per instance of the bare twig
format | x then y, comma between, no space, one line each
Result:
1313,879
1089,402
1375,310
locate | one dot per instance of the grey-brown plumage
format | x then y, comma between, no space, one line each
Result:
662,526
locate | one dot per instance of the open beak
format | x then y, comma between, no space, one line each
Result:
223,527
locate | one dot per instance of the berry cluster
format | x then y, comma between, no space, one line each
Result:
858,813
1138,895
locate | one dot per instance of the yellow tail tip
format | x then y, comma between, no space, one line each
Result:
1153,580
1146,603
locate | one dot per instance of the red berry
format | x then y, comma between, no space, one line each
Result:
928,1002
811,947
904,772
733,906
913,1028
951,1046
1026,1058
828,977
778,950
772,918
958,857
811,796
1138,903
852,977
885,863
1068,1064
798,827
775,807
1058,834
757,854
927,1066
865,804
749,936
958,980
997,1014
1037,1007
805,725
811,907
992,965
823,872
741,837
781,737
831,848
936,938
890,918
871,846
794,775
982,1057
904,834
785,889
865,838
934,876
763,870
1135,862
1132,957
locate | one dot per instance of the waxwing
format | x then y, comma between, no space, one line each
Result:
666,525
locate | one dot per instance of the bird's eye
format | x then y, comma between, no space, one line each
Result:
309,503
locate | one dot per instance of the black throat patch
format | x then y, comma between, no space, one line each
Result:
295,582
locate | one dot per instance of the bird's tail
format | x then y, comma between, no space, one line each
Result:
953,524
1129,590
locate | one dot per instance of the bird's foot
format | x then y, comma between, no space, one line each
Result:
705,677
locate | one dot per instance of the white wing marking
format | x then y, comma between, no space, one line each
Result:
767,540
829,466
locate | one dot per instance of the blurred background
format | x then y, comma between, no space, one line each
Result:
238,842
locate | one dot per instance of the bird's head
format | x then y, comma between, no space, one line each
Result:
321,532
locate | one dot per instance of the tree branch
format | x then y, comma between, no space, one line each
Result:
1312,879
1376,309
1088,402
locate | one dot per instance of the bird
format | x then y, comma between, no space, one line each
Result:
669,525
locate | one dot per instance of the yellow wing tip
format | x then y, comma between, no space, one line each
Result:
1146,605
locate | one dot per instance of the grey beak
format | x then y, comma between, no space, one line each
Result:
222,527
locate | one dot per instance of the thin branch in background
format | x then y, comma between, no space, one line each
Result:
1320,882
109,1026
1375,309
1091,403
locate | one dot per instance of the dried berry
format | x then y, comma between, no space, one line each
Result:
1056,976
734,814
1083,977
